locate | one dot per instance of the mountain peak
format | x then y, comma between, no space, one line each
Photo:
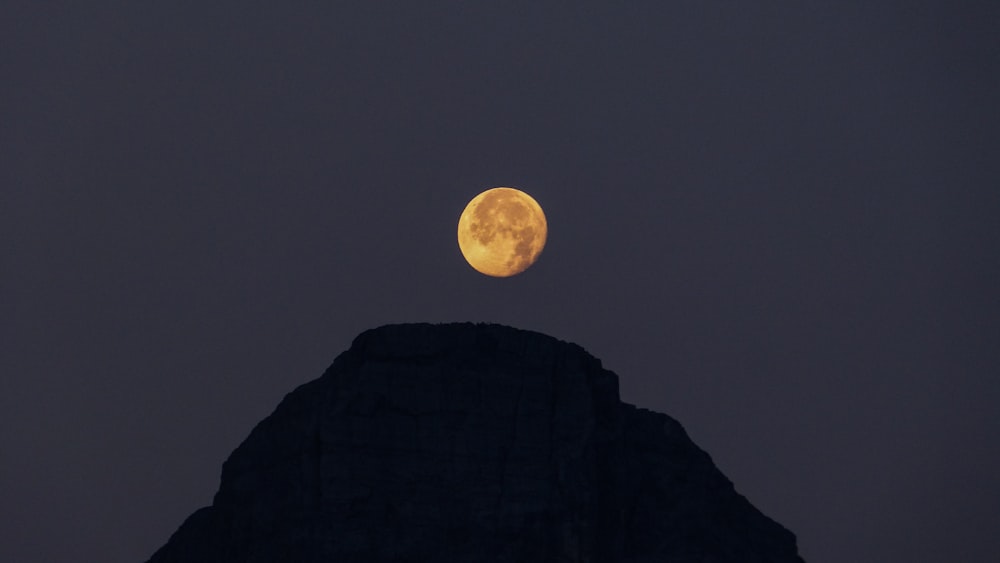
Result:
471,442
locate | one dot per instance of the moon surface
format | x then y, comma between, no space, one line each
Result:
502,231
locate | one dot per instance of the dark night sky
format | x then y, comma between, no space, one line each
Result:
776,222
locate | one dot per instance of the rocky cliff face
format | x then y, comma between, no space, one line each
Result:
468,443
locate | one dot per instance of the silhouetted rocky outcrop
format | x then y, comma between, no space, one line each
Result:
471,443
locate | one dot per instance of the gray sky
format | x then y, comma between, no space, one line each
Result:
777,224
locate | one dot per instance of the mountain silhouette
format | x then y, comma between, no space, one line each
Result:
466,443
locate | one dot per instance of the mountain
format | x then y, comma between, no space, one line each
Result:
471,443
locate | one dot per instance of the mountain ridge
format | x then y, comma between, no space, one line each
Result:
471,442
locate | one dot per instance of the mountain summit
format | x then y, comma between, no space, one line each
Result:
471,443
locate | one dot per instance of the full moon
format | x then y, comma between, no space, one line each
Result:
502,231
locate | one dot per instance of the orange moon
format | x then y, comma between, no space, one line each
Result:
502,231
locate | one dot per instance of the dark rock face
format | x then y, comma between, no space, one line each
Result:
469,443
